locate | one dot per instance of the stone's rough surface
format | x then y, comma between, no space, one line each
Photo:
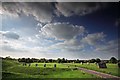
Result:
102,65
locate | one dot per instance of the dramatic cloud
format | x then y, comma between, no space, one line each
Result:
74,8
33,29
66,32
0,8
41,11
69,45
63,31
110,47
93,39
11,35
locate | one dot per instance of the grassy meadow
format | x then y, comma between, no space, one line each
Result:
14,69
111,68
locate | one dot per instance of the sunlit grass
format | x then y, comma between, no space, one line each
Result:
111,68
17,70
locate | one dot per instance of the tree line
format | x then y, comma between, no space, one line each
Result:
62,60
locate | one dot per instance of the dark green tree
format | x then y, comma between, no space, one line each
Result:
63,60
92,60
98,60
8,58
59,60
113,60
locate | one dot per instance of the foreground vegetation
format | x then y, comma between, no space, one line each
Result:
14,69
111,68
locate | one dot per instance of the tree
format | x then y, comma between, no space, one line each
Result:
59,60
63,60
43,60
28,60
22,60
92,61
50,60
35,60
8,58
113,60
77,61
98,60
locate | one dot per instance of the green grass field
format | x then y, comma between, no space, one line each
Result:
111,68
13,69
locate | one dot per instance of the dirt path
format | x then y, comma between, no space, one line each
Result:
100,74
103,75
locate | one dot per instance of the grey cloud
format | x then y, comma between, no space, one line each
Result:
66,32
110,47
10,8
63,31
41,11
78,8
10,35
70,45
93,39
73,48
11,49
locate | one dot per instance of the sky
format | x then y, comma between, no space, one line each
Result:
79,30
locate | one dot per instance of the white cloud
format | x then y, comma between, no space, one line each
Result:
93,39
41,11
0,8
28,45
74,8
69,45
63,31
8,34
51,39
12,45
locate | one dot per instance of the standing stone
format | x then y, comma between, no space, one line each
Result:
82,63
75,66
68,66
44,65
54,65
96,63
36,65
25,64
102,65
29,64
88,63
